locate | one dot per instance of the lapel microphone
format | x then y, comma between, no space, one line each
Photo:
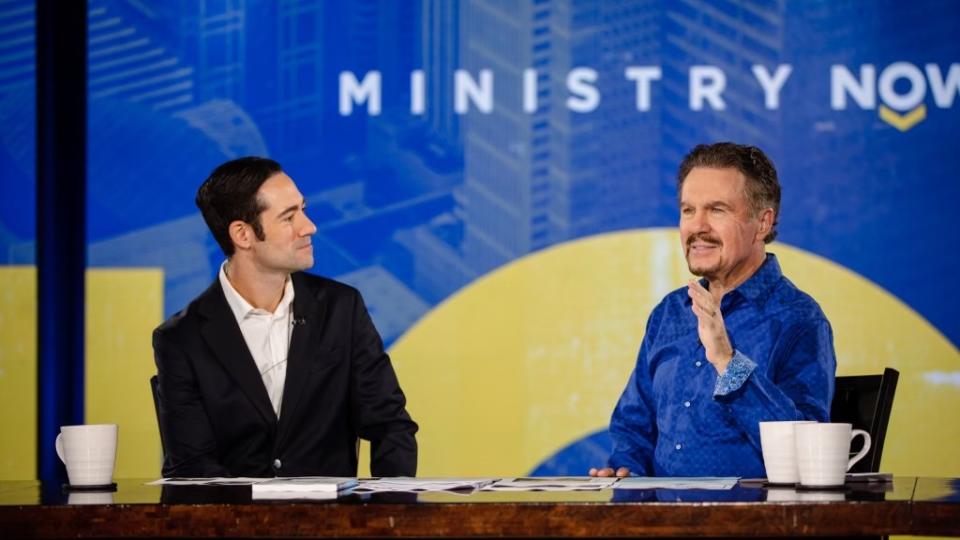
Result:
299,321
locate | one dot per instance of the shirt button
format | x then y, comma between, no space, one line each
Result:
277,464
699,363
686,403
678,446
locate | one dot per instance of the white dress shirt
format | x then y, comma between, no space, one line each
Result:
267,335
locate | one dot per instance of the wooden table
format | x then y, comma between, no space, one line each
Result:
914,506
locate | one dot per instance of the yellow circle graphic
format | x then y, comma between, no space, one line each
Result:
533,356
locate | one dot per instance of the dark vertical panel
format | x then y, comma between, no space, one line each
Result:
61,222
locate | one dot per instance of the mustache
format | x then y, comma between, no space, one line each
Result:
703,237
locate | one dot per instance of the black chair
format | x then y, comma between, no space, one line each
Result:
866,401
154,382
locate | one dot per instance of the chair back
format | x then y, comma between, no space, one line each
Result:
154,382
866,401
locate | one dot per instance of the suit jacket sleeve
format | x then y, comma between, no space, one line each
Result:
190,447
379,406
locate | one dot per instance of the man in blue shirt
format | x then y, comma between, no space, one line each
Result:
740,346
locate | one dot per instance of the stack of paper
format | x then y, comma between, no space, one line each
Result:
215,481
323,487
302,487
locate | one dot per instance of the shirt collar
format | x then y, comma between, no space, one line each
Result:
241,308
762,281
757,285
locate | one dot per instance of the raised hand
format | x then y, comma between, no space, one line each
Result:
710,327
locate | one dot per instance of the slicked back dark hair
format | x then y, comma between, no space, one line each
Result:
230,194
762,185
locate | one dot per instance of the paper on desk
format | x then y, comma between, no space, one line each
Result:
552,483
705,482
218,481
417,485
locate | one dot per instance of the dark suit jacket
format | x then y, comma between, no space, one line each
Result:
216,418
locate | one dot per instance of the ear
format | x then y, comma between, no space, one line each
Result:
241,234
766,223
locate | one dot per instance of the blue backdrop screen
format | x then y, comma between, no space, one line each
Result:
438,140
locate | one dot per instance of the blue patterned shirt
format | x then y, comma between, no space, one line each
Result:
678,417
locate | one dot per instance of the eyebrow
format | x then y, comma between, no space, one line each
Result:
718,204
710,204
292,208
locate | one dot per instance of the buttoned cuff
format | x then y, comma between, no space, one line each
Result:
737,373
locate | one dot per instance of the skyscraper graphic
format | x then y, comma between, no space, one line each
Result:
127,61
440,51
733,38
536,179
426,152
285,76
219,31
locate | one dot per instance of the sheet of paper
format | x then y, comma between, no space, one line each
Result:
706,482
237,481
551,483
418,485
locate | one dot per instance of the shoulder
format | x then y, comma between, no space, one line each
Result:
319,285
795,304
187,321
325,299
183,318
337,298
177,321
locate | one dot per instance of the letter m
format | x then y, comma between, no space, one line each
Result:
353,91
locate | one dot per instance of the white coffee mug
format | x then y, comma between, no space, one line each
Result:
823,453
779,450
89,453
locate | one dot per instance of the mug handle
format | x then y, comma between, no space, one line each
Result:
863,451
59,446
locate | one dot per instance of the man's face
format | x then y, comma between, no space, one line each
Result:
720,235
287,230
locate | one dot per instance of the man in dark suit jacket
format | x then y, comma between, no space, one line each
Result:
272,371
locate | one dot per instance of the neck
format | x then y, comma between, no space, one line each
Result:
262,289
720,285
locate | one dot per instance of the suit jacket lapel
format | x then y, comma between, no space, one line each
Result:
222,334
309,312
